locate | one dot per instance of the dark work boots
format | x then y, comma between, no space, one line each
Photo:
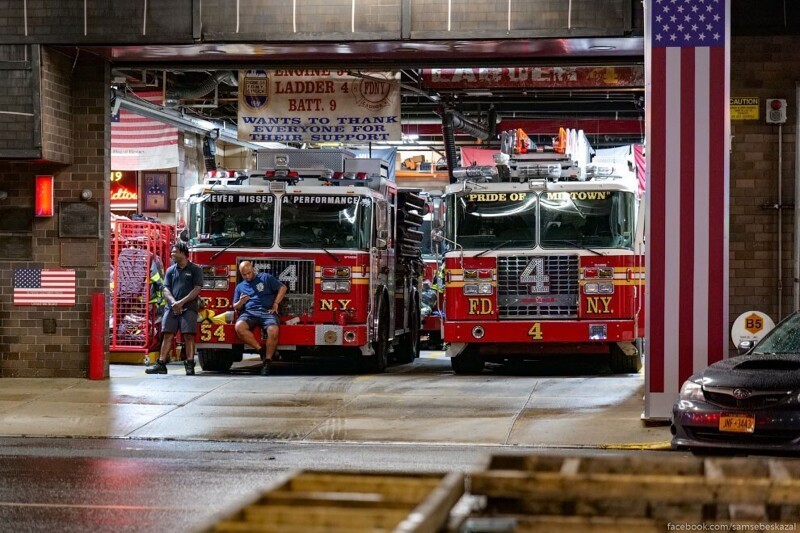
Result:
189,366
158,368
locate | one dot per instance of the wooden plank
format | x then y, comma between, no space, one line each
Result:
431,515
582,524
411,489
328,517
511,484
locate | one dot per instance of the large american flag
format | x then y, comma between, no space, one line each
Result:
140,143
687,196
34,286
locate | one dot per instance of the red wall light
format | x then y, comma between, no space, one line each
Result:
44,196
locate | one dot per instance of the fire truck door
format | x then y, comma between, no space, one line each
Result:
379,256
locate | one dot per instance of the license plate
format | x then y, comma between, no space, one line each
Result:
737,423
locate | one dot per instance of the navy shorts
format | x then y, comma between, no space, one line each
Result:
187,322
253,321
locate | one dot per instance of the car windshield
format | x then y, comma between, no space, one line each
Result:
597,219
241,220
332,221
785,338
482,220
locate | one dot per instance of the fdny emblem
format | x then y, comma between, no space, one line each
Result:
538,282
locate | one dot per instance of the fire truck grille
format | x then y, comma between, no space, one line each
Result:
554,296
297,275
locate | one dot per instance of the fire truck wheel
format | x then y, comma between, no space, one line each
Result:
408,349
468,362
380,359
215,360
624,364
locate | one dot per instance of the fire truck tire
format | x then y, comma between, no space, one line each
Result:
215,360
408,349
378,362
469,362
621,363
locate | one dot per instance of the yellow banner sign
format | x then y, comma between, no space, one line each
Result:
744,107
319,106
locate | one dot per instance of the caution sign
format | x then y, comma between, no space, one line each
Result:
744,107
751,326
318,105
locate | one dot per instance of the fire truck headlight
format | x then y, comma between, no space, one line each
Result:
606,273
598,332
471,288
470,274
342,286
605,288
208,283
590,288
221,284
484,288
343,272
328,286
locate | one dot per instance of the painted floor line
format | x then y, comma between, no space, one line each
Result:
94,506
656,445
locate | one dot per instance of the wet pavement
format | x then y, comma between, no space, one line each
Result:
114,485
171,453
571,403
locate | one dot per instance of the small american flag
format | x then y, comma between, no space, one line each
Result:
33,286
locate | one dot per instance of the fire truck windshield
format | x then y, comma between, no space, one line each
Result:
235,220
597,219
333,221
481,220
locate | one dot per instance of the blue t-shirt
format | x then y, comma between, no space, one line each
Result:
262,291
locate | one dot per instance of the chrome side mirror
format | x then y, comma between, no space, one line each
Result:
437,235
438,214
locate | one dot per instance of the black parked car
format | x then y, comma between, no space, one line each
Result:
745,402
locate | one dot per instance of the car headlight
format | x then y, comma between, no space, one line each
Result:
208,283
484,288
590,288
328,286
221,284
692,391
342,286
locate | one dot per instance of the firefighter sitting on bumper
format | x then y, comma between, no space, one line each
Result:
257,298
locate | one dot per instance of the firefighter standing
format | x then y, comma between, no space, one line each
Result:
182,284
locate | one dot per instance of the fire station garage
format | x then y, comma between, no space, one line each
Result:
341,247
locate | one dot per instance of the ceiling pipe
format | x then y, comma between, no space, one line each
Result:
190,93
462,123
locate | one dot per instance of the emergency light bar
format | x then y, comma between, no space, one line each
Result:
599,171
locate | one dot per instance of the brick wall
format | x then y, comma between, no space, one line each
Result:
765,67
75,111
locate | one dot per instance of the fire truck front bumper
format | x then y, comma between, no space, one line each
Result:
298,335
539,332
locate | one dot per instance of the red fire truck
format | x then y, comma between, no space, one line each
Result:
541,258
344,241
